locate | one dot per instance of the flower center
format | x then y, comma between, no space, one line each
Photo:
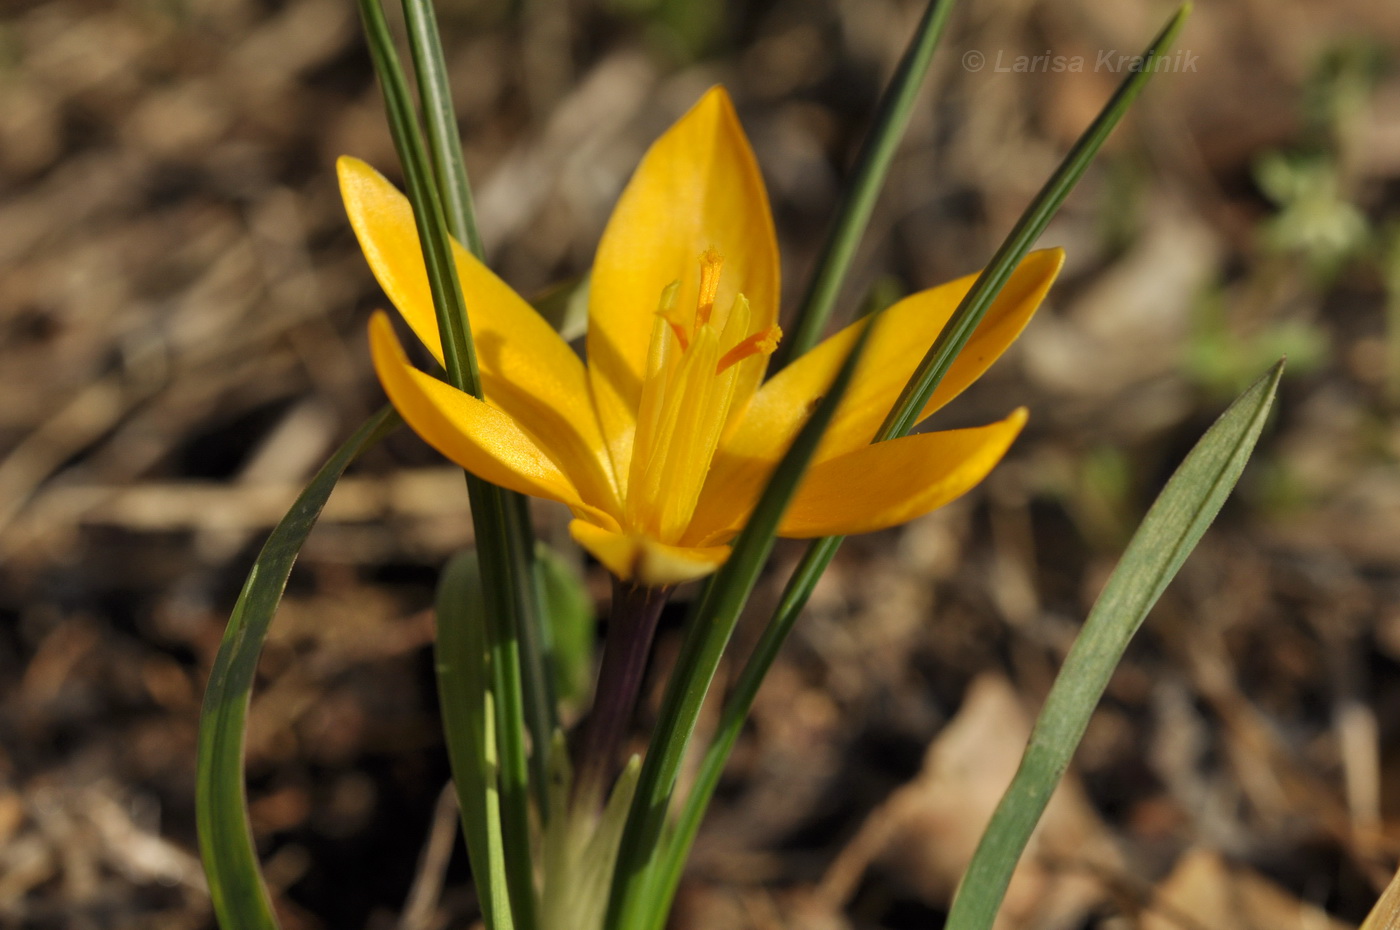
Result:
692,369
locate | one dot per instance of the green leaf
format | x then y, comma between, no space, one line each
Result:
500,528
1168,533
469,724
444,144
1018,242
676,848
873,164
634,902
240,899
454,190
459,353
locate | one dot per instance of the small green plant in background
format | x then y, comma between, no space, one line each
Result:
1316,235
588,840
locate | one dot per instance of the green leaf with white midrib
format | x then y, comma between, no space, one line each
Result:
1171,529
444,150
226,847
493,516
440,119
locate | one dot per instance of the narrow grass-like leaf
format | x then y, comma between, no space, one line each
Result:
492,514
468,716
459,353
634,903
440,118
1022,236
1171,529
872,165
677,844
454,191
901,419
225,839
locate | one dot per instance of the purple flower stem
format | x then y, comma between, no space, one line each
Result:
626,647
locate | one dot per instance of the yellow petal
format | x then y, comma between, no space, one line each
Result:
639,559
697,188
889,483
874,487
527,369
475,435
905,333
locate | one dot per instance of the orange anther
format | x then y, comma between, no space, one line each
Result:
710,264
762,342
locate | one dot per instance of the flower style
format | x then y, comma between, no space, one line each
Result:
662,443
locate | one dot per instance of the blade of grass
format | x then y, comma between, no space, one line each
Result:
490,512
454,190
632,904
901,419
468,713
1171,529
226,846
872,165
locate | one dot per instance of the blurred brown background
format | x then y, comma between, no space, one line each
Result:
182,308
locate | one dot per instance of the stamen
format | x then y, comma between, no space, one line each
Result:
667,311
710,264
762,342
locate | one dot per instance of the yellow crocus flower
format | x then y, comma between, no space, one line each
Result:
661,444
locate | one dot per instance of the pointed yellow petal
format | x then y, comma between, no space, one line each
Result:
475,435
889,483
645,561
906,332
527,370
697,188
874,487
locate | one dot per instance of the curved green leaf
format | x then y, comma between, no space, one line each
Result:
1168,533
240,900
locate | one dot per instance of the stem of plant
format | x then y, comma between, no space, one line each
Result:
631,629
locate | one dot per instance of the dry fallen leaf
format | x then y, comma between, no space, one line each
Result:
1386,914
1204,892
925,834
